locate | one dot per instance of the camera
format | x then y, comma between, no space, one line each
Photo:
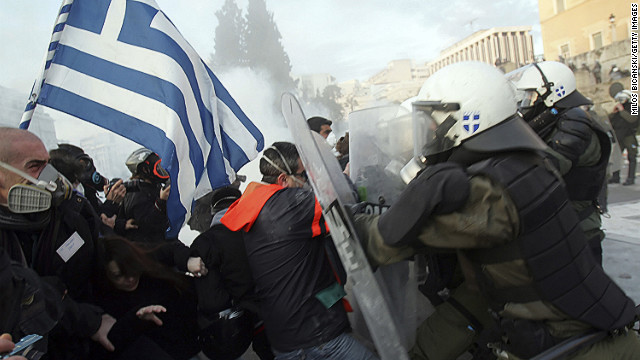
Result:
129,185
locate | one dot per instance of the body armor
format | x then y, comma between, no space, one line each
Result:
553,247
574,126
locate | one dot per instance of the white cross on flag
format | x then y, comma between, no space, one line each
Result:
122,65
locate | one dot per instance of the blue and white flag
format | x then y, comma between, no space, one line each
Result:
122,65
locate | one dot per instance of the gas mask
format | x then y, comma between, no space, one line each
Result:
49,189
90,177
153,170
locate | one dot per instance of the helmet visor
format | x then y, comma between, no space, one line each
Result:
526,98
432,121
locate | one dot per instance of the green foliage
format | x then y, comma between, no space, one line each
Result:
230,49
264,47
329,99
252,41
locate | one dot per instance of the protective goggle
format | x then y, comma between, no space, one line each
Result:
153,162
50,188
159,171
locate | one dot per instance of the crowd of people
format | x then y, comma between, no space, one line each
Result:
503,204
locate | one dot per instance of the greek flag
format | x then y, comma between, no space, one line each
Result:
122,65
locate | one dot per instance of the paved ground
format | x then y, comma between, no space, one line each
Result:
621,247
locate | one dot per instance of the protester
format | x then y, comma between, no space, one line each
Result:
597,72
625,126
142,217
51,236
579,146
143,214
342,146
227,287
29,306
320,125
487,194
285,238
148,300
78,167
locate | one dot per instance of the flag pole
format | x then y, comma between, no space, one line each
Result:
63,13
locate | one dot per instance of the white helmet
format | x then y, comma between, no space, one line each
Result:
550,82
457,105
474,95
623,96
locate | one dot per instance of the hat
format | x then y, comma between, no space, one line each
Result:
206,206
224,196
316,122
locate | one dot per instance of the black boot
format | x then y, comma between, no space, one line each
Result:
615,177
632,174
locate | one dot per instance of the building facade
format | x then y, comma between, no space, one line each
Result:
495,46
573,27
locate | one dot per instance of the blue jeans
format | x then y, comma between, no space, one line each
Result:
343,347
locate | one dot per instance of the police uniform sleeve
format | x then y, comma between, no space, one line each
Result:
573,141
487,218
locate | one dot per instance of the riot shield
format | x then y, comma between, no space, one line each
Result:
381,142
330,187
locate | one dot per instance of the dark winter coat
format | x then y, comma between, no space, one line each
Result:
37,246
229,280
284,240
150,215
176,337
624,124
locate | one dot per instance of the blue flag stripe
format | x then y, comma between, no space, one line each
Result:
158,41
225,97
122,65
121,124
39,82
136,81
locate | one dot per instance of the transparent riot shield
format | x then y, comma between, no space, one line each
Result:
332,191
381,142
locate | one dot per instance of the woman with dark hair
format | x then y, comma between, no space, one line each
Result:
155,307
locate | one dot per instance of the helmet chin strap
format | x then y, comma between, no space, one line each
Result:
547,83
